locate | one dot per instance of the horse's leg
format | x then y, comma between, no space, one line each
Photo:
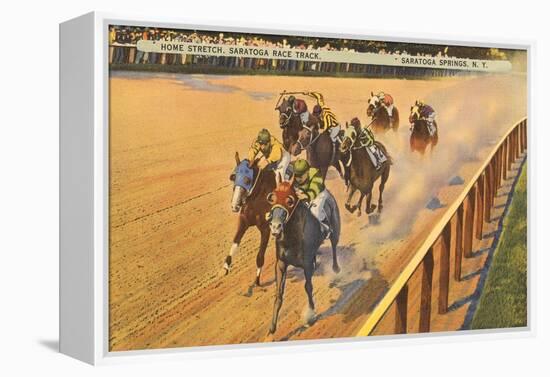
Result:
280,277
334,238
243,226
383,179
369,208
350,196
359,204
308,273
264,239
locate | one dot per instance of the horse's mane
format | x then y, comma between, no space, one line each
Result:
261,175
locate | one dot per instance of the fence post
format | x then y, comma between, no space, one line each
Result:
505,160
444,269
509,144
488,191
458,241
426,292
401,310
516,154
480,205
495,179
469,223
499,167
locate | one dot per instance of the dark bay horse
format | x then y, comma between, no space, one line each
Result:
250,189
321,153
363,174
298,236
420,135
381,121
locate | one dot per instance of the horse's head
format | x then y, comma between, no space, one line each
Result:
305,138
373,104
350,135
243,179
285,112
415,113
283,201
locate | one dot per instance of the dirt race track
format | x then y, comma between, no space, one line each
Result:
172,142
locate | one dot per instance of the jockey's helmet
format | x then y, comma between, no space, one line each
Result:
355,122
264,137
301,167
291,100
381,95
420,103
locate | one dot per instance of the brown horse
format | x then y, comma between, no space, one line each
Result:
321,151
298,237
363,174
420,135
250,189
381,121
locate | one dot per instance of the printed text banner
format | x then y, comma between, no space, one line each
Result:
402,60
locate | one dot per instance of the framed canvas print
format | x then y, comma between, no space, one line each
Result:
233,188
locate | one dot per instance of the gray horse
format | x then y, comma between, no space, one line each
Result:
298,236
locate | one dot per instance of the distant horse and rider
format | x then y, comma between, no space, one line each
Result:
424,129
383,113
367,160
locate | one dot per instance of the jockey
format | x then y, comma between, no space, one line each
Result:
310,188
325,115
271,153
299,107
387,102
427,113
366,139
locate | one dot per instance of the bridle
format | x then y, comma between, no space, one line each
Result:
311,138
287,115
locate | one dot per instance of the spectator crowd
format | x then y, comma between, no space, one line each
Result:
123,41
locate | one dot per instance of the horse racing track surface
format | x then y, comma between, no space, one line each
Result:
172,145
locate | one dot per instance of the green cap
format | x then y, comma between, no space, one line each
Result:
264,137
301,167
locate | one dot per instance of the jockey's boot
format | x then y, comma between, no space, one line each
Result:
431,128
325,229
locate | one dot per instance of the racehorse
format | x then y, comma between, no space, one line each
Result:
363,174
381,121
298,236
321,152
250,189
420,135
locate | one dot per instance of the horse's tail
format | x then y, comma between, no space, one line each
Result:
385,151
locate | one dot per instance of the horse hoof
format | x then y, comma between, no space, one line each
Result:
257,282
336,269
311,318
226,268
380,208
371,209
